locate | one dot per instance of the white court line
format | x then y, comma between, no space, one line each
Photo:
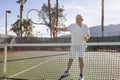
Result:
32,67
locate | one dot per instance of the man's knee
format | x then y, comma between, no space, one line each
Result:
71,60
80,60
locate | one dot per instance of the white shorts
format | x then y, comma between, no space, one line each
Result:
77,51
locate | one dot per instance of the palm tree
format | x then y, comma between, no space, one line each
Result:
15,28
56,16
102,20
49,15
53,17
27,28
21,2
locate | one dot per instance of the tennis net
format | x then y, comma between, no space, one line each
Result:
48,61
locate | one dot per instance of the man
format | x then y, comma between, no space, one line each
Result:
79,35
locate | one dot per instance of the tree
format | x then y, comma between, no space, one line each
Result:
53,20
15,28
27,28
102,19
21,2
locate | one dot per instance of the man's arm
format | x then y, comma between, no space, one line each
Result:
61,29
87,35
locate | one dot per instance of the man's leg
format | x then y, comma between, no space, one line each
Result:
80,59
66,73
81,65
69,64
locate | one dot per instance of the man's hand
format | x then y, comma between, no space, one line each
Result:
86,38
54,28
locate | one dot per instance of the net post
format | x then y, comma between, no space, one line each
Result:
4,62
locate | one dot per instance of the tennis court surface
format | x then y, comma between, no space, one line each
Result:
48,61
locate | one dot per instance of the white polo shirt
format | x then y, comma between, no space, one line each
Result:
78,33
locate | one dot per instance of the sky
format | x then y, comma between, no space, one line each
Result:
89,9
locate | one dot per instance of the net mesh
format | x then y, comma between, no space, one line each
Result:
48,61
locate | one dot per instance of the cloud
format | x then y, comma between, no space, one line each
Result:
2,31
75,7
90,14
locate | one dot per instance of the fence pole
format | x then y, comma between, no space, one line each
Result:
5,61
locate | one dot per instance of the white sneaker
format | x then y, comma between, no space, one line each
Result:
66,73
81,78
